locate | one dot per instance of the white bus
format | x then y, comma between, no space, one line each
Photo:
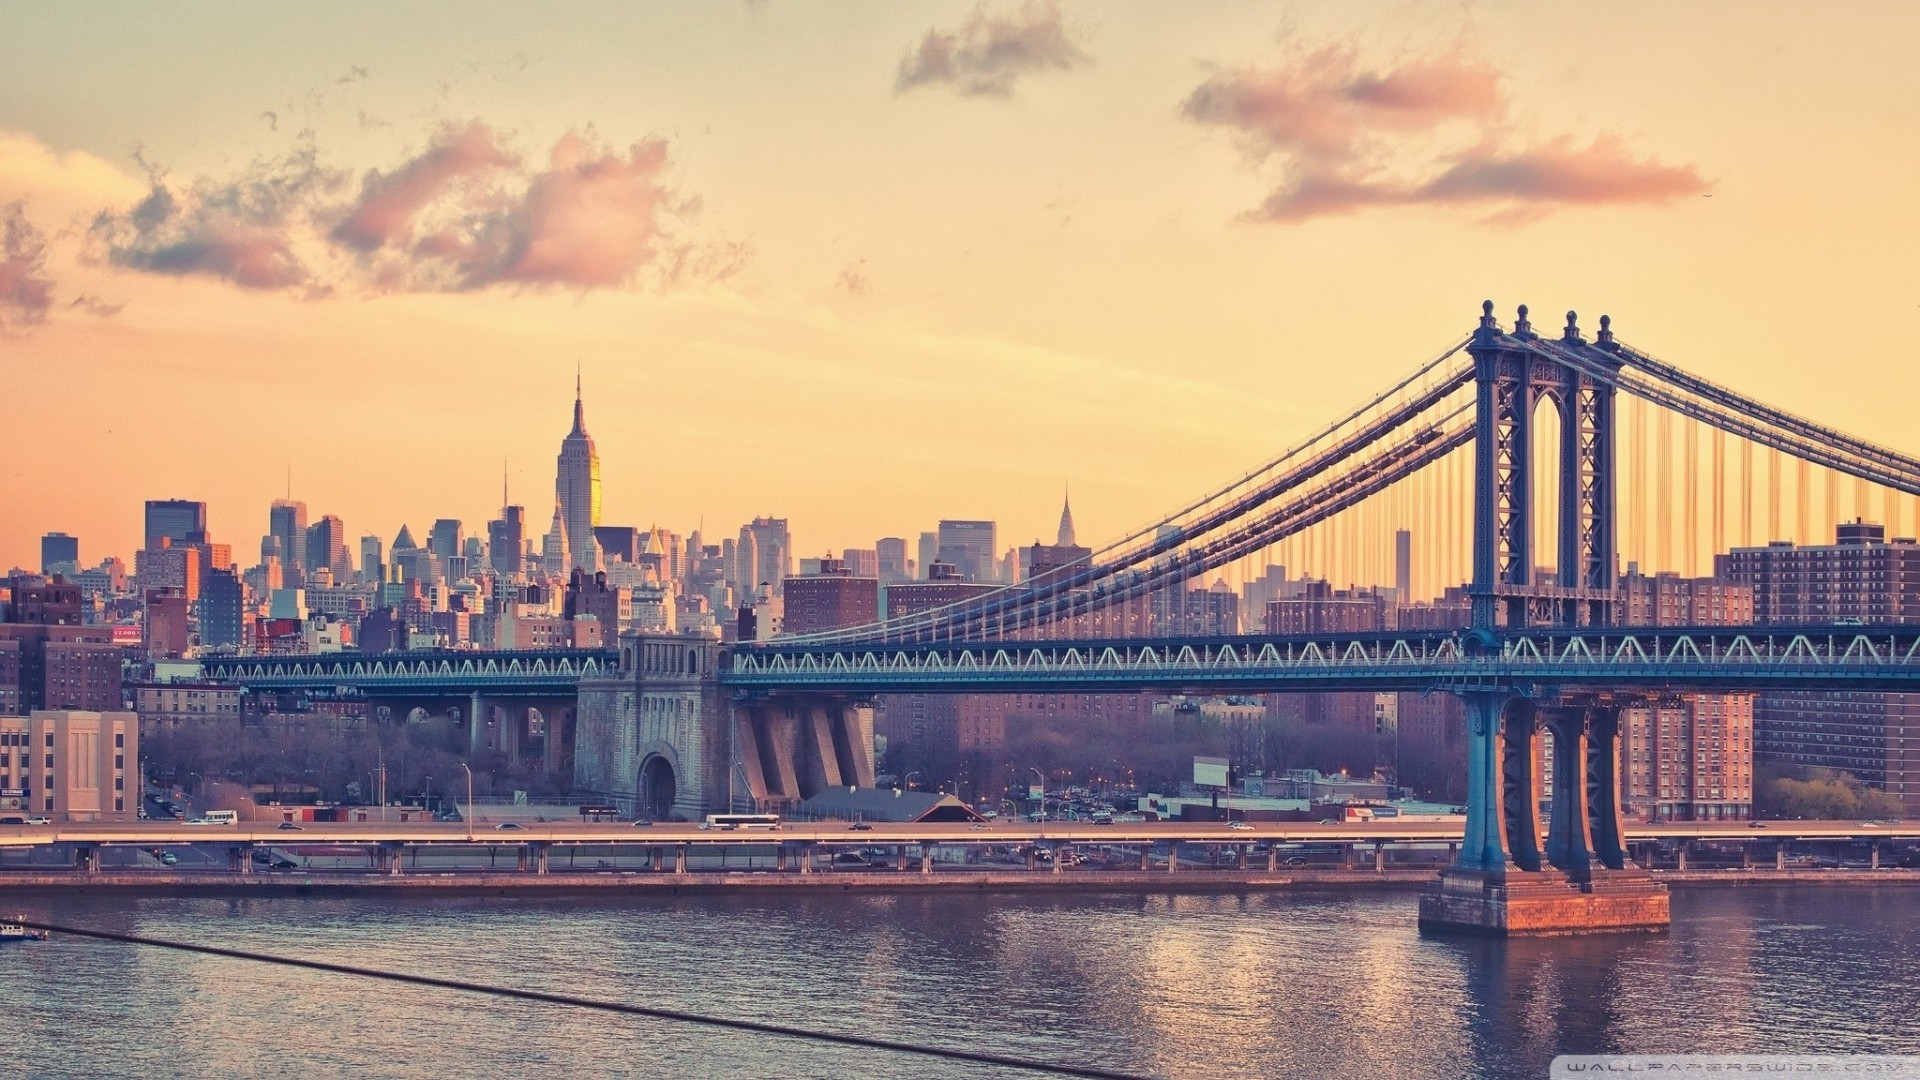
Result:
216,817
742,821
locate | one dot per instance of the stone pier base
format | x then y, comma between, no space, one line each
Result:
1543,903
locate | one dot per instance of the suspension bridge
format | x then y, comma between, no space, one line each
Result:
1529,465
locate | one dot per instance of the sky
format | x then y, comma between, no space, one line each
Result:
867,266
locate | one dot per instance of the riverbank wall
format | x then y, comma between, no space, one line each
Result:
638,883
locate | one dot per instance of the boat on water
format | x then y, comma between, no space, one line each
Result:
13,930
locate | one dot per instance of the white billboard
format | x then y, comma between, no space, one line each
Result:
1210,771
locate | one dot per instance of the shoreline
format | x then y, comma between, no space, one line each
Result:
646,883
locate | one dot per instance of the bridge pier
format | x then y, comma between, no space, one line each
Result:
926,858
1501,881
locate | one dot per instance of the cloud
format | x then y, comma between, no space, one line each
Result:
26,293
60,184
96,306
991,51
465,213
593,218
389,201
853,279
1426,131
241,230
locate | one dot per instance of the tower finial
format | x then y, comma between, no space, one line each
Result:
1522,327
579,411
1572,333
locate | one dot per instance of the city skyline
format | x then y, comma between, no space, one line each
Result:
1137,337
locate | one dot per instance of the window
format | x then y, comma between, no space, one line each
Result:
49,761
49,740
119,783
119,761
120,741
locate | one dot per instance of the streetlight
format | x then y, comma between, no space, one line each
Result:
469,813
908,782
1042,777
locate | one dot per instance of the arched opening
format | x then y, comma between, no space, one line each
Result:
657,789
1544,492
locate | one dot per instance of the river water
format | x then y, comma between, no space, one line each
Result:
1256,985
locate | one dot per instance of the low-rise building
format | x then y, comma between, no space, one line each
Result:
71,765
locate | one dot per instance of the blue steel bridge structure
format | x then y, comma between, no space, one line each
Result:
1537,418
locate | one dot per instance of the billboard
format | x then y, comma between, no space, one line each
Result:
1210,771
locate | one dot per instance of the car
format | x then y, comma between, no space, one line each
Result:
1328,821
285,864
1296,860
978,824
643,823
1239,826
507,826
1756,824
39,821
860,826
287,826
168,858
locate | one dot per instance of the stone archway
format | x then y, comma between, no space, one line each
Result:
657,789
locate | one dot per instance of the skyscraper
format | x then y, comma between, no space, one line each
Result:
773,551
287,520
372,563
971,546
891,551
327,547
577,487
179,521
444,538
59,554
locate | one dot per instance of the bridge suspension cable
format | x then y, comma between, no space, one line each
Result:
1397,408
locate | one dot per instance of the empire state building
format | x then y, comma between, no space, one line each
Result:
577,488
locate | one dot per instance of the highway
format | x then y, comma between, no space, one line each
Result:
164,833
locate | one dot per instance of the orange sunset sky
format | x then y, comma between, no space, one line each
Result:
869,265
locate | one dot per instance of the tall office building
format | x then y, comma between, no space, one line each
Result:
372,563
891,551
287,520
327,547
577,487
179,521
59,554
773,551
972,547
507,541
221,604
444,538
929,553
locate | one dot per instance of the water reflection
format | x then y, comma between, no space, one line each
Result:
1264,985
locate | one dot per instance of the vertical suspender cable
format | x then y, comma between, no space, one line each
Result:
1746,492
1803,483
1663,481
1773,496
1719,494
1690,536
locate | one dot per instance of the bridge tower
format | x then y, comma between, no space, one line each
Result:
1511,381
1507,880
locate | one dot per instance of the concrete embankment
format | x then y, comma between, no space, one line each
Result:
658,883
